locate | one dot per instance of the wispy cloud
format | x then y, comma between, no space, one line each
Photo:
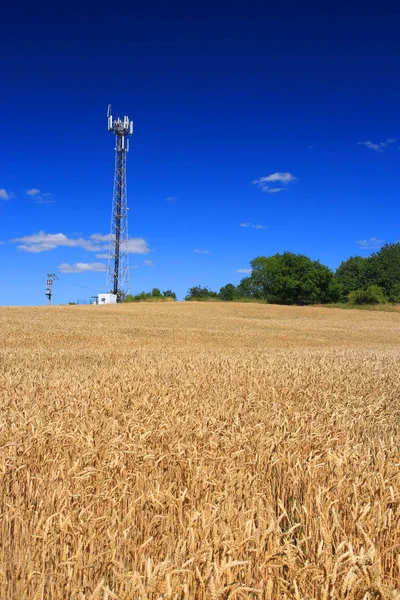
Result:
243,270
33,192
198,251
371,244
2,243
275,190
45,199
284,178
4,195
148,263
43,242
96,267
137,246
99,237
378,146
171,199
253,226
39,196
103,255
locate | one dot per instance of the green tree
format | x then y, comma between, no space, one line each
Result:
169,294
200,293
142,296
395,293
244,288
335,291
247,289
353,274
291,279
156,293
228,292
384,270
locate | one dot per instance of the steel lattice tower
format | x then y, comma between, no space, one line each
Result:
118,262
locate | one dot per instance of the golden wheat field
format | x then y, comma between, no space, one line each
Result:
199,451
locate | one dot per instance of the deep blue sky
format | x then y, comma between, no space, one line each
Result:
222,94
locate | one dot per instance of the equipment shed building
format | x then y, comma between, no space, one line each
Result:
107,299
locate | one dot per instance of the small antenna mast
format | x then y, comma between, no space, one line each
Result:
51,277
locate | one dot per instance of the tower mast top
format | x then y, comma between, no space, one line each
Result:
121,128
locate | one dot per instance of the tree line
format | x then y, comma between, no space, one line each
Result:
290,278
155,294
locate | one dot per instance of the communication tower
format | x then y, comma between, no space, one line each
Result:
118,262
49,284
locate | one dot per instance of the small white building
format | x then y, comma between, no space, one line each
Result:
107,299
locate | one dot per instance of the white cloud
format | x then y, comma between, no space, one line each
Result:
96,267
44,199
42,242
170,199
253,226
99,237
133,245
284,178
137,246
198,251
379,146
243,271
2,243
105,255
371,244
135,267
40,197
4,195
148,263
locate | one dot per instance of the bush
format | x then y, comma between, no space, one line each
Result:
201,293
228,292
169,294
373,294
395,294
